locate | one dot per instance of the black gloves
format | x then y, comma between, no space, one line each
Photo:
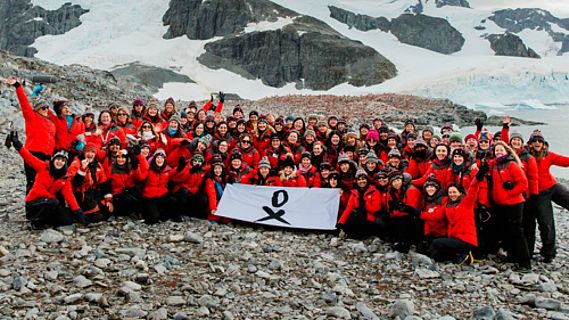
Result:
185,142
136,150
508,185
484,168
211,98
80,217
181,163
15,141
221,97
134,162
479,124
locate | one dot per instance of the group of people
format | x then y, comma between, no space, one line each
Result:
453,198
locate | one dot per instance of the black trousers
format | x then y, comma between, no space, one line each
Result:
512,233
126,202
30,172
158,209
487,230
445,249
357,226
543,214
403,231
47,213
560,196
194,205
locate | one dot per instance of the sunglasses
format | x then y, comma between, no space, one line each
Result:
44,108
245,141
121,114
484,141
146,127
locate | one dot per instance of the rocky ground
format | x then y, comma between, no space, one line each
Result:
126,270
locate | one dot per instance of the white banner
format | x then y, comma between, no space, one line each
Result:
305,208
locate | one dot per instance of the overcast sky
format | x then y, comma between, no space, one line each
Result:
559,8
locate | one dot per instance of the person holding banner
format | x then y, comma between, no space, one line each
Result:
358,217
289,176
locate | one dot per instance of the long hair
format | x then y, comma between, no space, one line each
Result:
510,152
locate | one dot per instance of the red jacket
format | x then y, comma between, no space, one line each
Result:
460,217
372,200
155,183
64,136
442,172
40,131
187,179
46,186
508,171
250,156
244,175
435,220
418,168
530,170
123,179
411,197
546,181
88,181
296,181
276,156
310,176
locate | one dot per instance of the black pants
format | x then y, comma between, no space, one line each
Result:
159,209
126,202
512,233
445,249
47,213
30,172
560,196
357,227
403,232
487,231
194,205
543,214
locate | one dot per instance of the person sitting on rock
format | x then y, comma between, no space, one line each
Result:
461,237
289,176
43,209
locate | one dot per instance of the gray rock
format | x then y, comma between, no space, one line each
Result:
208,301
420,260
426,273
180,316
338,312
366,312
361,22
330,297
401,308
175,238
446,318
528,299
503,314
18,283
548,287
509,44
175,301
453,3
484,313
160,314
202,311
228,315
547,303
132,285
134,312
73,298
82,282
51,236
192,237
152,76
275,265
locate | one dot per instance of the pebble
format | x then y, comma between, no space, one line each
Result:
426,273
228,315
503,314
402,308
338,312
82,282
192,237
4,252
160,314
366,312
175,301
208,301
73,298
484,313
51,236
547,303
176,238
181,316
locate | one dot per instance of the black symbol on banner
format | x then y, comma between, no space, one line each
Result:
276,204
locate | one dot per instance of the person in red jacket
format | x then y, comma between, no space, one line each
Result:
549,190
419,162
359,217
194,195
289,176
276,152
461,237
306,169
40,130
123,182
67,127
239,171
433,214
404,202
249,154
156,204
42,205
265,176
509,185
440,168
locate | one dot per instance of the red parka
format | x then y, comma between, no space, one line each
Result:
460,216
508,170
40,130
372,199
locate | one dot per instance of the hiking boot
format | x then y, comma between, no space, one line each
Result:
548,259
467,259
522,268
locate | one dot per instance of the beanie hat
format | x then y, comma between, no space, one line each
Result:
264,163
159,152
275,136
60,154
144,144
170,100
429,129
88,112
312,117
263,120
175,117
342,120
363,151
394,175
321,123
436,136
497,135
254,113
383,128
460,152
236,109
216,159
332,116
198,157
432,182
279,121
470,136
58,105
115,140
350,148
236,154
455,137
39,103
288,162
372,157
447,128
394,153
192,104
206,140
485,136
351,134
153,104
364,125
310,132
325,166
536,135
372,135
306,154
420,143
90,147
516,134
411,135
409,121
112,105
209,119
289,118
343,157
334,175
361,172
137,102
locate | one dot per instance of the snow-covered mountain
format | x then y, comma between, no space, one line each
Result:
456,49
